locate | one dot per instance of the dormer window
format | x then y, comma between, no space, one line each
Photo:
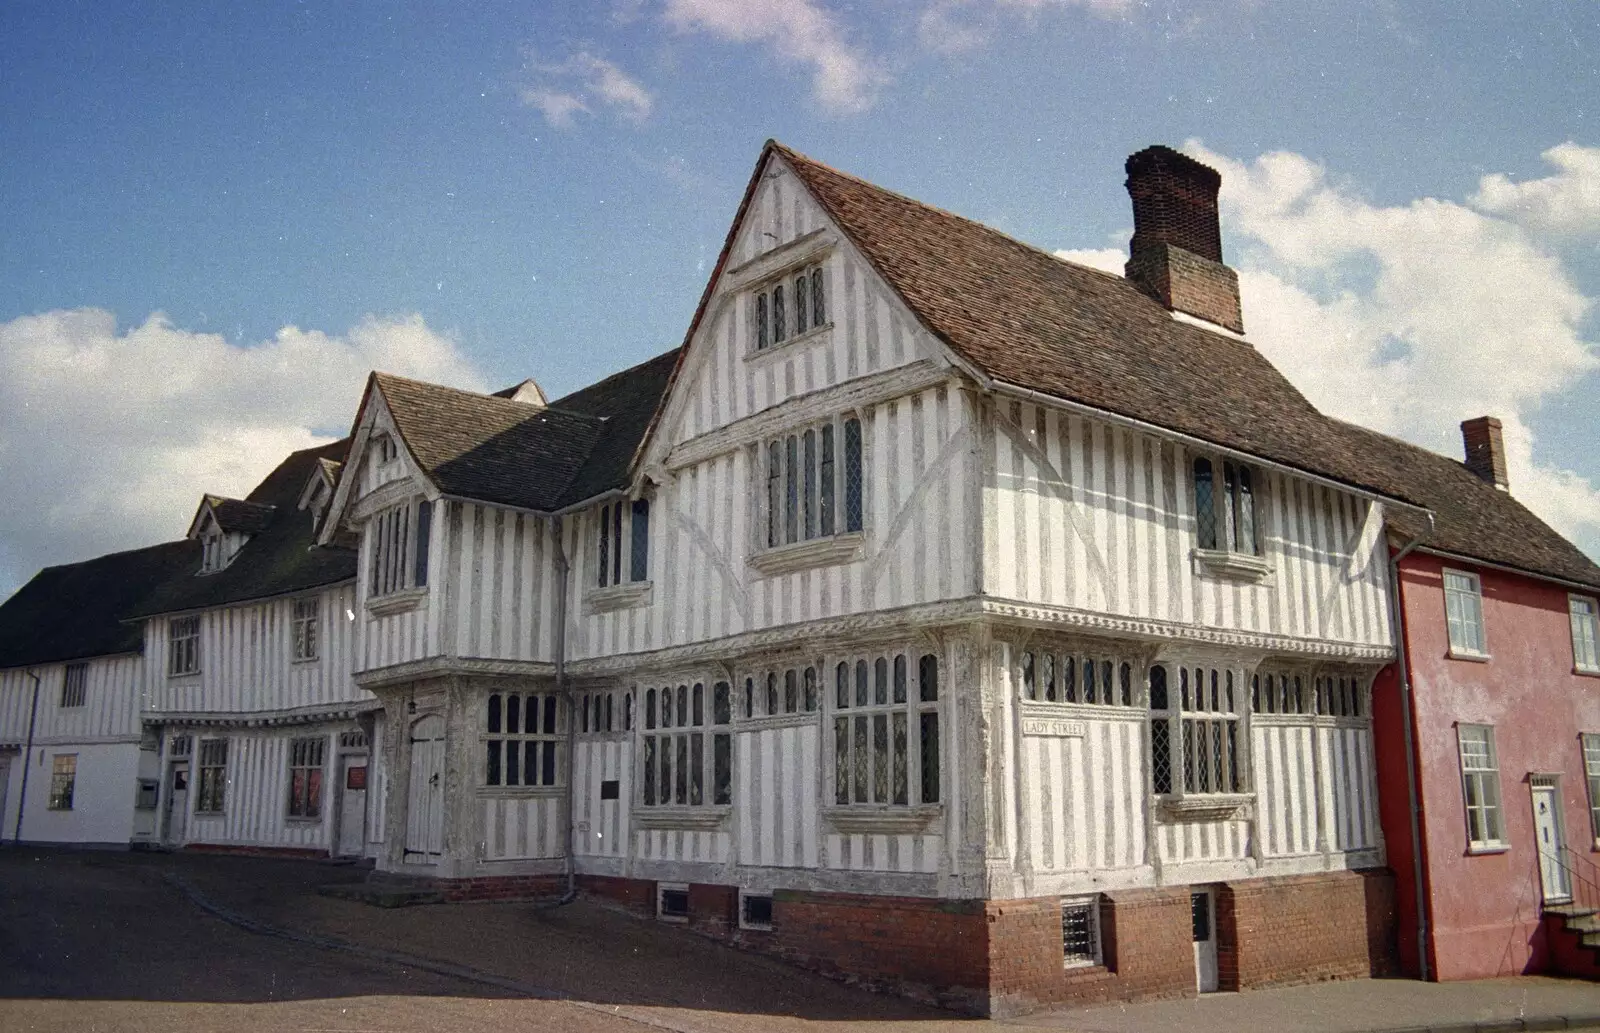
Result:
213,553
795,304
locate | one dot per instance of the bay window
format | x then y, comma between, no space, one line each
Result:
522,739
886,730
686,751
1195,746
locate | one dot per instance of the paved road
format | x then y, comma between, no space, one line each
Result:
92,942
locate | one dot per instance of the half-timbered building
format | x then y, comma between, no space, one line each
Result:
940,612
259,738
72,742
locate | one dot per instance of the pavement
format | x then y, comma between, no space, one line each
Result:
195,942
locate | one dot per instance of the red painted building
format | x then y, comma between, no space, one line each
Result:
1495,703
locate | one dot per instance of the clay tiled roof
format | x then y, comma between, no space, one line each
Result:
75,611
1471,517
1022,316
278,559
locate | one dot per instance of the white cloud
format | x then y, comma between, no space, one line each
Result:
579,84
108,438
1106,259
844,77
960,26
1410,318
1567,202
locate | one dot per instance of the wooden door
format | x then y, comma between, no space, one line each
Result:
425,800
1547,832
175,818
352,804
1202,910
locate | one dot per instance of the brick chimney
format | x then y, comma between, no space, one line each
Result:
1486,453
1176,252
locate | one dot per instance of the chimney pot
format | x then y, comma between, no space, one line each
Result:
1486,451
1176,252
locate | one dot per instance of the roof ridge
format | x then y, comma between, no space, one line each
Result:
794,155
111,555
608,378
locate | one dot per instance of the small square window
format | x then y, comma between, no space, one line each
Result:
74,685
672,901
1080,931
755,911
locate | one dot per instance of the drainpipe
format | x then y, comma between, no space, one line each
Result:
565,692
27,758
1408,721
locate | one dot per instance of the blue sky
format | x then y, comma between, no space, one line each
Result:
221,216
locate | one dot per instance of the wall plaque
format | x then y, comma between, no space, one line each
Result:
1058,727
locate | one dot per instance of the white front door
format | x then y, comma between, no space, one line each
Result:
425,801
352,804
5,783
1547,830
1202,911
177,812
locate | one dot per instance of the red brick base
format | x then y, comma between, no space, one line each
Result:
1003,957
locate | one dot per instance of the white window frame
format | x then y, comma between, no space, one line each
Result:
307,777
498,742
1480,780
1090,907
63,780
680,721
1589,743
305,616
803,495
1583,613
1234,495
768,330
1463,609
183,646
863,698
400,537
618,524
211,785
74,685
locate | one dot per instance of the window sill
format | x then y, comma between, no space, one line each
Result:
171,675
396,602
625,596
819,552
694,819
882,819
1484,849
1462,654
1217,807
788,345
306,659
521,792
294,820
1587,672
1235,566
